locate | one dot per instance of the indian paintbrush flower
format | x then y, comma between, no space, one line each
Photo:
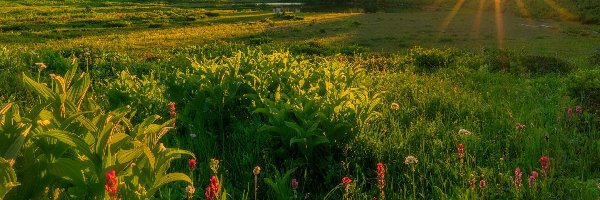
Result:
545,162
294,183
482,183
192,164
532,179
346,182
212,190
517,180
381,179
112,183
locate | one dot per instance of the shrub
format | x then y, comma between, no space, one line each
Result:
545,64
585,87
595,58
118,24
430,59
212,14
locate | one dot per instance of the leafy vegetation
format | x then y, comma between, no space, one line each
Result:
284,108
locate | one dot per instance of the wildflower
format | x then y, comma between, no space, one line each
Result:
472,181
40,66
112,183
545,162
395,106
346,182
520,126
518,175
192,163
190,191
461,153
463,131
214,165
482,183
598,185
578,109
380,176
410,160
294,183
212,190
532,179
52,76
569,113
193,135
172,109
256,171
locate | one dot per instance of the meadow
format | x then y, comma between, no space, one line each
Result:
195,100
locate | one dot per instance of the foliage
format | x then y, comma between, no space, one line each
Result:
66,144
585,87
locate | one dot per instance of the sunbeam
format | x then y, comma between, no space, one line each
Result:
477,24
451,16
499,24
523,9
563,13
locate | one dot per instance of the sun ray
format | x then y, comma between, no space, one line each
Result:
451,16
523,9
562,12
478,18
499,24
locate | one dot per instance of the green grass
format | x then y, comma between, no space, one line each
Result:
310,95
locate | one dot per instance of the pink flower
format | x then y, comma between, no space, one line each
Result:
520,126
482,183
532,179
545,162
518,175
112,183
346,182
578,109
172,112
294,183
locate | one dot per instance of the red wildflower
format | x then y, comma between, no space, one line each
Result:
482,183
346,182
518,175
545,162
569,113
172,109
192,164
111,183
212,190
461,153
380,176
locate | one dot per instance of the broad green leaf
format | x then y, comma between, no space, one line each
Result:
172,177
150,156
44,92
70,170
8,177
125,156
70,139
14,149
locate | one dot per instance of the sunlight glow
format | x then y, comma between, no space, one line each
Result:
562,12
452,14
499,24
477,24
